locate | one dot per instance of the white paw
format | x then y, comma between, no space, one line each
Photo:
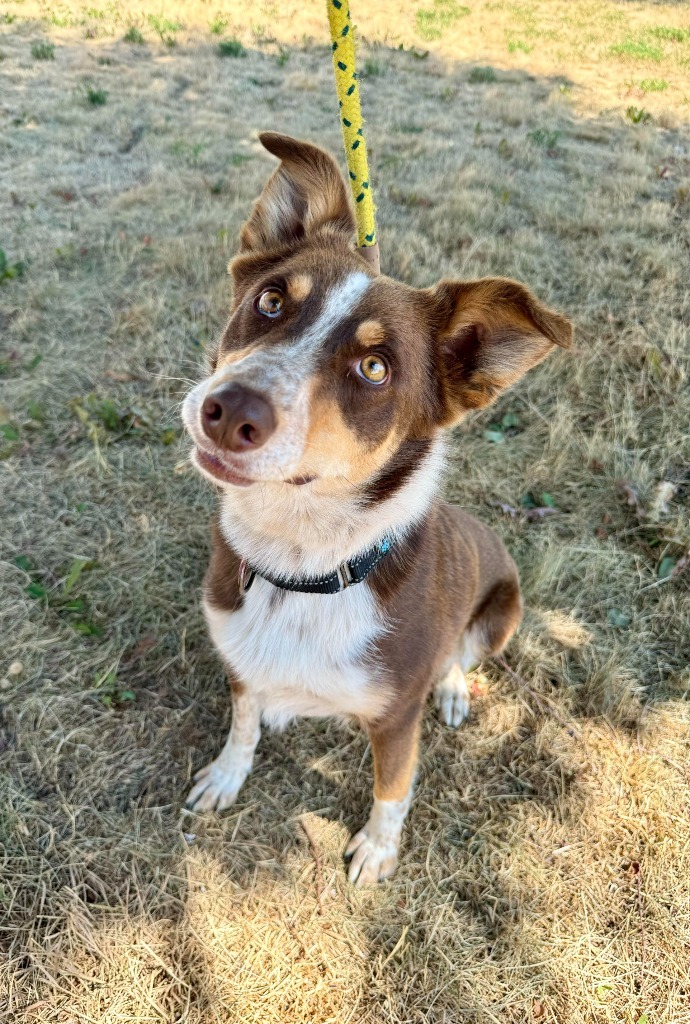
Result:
373,858
217,785
452,697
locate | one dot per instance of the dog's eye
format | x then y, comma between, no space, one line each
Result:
373,368
270,303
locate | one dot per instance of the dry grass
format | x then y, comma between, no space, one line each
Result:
545,868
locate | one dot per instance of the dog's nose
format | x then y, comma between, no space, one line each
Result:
237,418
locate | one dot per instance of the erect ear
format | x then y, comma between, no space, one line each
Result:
305,195
487,334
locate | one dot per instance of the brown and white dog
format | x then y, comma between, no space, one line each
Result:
321,421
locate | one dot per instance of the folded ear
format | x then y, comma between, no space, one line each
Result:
487,334
306,194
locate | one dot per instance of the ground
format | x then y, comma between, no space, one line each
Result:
545,865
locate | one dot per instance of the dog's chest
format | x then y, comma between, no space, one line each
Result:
304,654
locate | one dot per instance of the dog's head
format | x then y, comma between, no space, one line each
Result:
331,377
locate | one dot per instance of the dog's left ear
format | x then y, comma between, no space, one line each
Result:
487,334
304,195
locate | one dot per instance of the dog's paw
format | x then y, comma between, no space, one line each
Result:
373,858
217,785
452,697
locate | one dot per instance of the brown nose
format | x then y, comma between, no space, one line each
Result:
237,418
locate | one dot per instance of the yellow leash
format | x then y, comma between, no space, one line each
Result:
352,124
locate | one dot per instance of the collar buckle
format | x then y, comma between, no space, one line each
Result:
345,577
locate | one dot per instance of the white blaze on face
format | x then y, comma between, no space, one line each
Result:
282,373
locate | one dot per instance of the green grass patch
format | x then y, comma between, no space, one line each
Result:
544,138
231,48
482,75
433,21
133,35
165,28
638,115
95,97
8,271
218,25
671,35
637,49
373,68
653,85
43,50
519,46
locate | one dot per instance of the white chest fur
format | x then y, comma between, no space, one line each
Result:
304,654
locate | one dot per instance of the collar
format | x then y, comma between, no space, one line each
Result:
354,570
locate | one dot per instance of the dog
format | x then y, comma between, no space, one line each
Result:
340,584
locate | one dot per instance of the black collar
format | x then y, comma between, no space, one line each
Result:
346,575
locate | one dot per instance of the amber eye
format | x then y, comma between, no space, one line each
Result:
373,368
270,303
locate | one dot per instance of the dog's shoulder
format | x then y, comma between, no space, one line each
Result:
221,583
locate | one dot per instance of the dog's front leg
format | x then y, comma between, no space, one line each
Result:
218,783
374,849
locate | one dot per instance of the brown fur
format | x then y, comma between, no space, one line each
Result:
450,589
221,582
467,579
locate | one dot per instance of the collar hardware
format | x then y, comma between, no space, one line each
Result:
347,574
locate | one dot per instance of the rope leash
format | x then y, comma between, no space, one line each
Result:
352,124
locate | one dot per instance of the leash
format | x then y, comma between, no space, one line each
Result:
352,124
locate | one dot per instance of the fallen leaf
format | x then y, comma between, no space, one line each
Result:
507,509
618,618
121,376
75,570
662,495
630,494
142,647
539,512
479,685
666,567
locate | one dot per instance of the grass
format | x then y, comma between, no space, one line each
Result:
231,48
654,85
671,35
43,50
134,35
218,25
482,75
94,96
638,49
544,870
166,28
432,22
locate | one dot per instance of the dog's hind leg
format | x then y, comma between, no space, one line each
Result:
490,630
452,695
218,783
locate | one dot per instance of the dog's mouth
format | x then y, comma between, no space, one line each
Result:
219,469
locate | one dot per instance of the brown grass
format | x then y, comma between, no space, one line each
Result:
545,868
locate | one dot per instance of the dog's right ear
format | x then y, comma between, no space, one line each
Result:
305,195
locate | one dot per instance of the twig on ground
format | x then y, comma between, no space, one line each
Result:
317,861
637,868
